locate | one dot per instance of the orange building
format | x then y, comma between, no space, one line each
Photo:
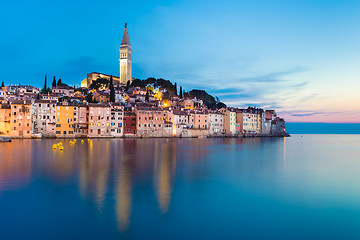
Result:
64,121
5,117
20,124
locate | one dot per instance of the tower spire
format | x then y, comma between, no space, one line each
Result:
125,58
125,39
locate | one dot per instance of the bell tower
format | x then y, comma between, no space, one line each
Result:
125,58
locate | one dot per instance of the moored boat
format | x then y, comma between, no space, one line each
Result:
5,139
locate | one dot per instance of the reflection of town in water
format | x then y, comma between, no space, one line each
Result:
107,171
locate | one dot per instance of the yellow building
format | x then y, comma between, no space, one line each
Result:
251,120
5,117
64,121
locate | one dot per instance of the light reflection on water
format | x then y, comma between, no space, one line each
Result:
176,188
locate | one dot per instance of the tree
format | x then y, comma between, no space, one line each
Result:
181,92
2,84
175,89
45,86
54,82
89,97
99,83
112,90
38,96
127,85
147,96
59,83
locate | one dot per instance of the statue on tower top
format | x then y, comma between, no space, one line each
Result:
125,25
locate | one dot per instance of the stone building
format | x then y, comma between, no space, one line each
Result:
81,120
44,118
63,91
99,120
216,123
20,123
151,122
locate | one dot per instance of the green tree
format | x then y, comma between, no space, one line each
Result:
175,89
59,83
89,97
99,83
127,85
112,90
181,93
54,82
44,89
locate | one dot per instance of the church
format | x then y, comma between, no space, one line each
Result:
125,62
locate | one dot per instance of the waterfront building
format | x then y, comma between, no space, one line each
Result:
117,121
180,121
252,120
99,120
199,119
125,58
129,123
278,126
64,120
20,123
81,120
229,120
44,118
5,118
216,123
151,122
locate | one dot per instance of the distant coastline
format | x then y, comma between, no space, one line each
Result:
322,128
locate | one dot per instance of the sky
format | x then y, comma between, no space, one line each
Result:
299,57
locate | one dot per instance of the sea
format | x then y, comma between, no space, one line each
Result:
306,186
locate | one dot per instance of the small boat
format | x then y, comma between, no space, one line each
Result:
5,139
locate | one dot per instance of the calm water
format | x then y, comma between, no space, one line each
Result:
303,187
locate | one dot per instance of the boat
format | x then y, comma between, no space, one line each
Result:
5,139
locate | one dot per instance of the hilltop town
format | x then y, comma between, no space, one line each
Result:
110,106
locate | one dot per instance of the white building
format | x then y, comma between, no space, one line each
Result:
216,123
44,118
117,122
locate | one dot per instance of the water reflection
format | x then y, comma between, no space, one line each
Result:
15,166
164,169
107,171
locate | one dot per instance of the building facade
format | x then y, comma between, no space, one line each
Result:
44,118
99,120
64,121
20,123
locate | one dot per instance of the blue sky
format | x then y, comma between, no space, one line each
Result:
301,58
